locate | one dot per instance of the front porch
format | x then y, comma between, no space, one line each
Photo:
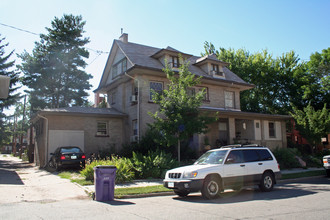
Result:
244,128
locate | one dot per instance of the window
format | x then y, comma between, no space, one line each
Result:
102,128
191,92
113,98
234,156
264,155
175,62
155,87
135,127
271,126
215,68
206,93
119,67
229,99
250,155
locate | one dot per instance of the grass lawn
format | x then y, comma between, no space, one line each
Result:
140,190
303,174
75,176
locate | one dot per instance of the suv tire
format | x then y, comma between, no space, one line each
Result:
328,172
181,193
211,188
267,182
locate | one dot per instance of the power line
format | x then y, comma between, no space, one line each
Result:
19,29
99,52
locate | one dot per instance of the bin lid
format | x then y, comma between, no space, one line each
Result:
105,167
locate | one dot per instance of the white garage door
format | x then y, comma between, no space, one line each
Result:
58,138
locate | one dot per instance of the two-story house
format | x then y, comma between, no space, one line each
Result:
130,75
133,70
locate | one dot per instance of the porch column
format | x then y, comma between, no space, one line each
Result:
231,130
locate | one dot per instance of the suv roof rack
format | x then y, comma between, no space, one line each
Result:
241,145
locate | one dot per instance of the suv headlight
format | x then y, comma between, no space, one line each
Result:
190,174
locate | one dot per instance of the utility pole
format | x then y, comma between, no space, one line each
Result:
22,128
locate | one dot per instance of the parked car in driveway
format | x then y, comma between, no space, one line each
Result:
67,156
326,164
229,167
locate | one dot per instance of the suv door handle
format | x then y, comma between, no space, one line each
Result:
260,163
242,165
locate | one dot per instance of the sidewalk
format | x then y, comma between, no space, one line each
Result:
23,182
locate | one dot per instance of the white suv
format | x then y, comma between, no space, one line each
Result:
326,164
229,167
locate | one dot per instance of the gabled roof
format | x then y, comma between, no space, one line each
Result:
143,56
210,57
171,51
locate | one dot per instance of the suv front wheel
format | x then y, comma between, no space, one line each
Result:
211,187
267,182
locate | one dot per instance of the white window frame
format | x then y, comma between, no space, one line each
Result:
229,101
272,130
100,131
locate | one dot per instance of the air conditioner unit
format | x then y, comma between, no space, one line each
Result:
133,98
134,138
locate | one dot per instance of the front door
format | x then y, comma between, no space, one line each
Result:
223,133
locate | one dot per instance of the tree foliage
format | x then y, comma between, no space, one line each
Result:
54,71
178,116
280,82
312,124
6,70
317,88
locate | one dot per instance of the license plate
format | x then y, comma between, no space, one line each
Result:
170,185
73,157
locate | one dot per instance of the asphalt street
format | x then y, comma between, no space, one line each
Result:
296,199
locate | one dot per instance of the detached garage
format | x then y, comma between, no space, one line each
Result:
91,129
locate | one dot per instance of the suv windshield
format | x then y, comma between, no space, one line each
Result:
212,157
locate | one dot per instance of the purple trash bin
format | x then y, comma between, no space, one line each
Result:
104,181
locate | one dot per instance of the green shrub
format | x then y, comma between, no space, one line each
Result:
124,171
153,165
286,157
313,161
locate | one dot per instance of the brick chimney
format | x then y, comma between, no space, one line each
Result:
124,38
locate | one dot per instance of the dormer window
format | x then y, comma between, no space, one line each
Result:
216,70
175,62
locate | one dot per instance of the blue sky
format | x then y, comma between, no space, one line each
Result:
279,26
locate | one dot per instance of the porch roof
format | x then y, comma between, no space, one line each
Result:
76,110
238,113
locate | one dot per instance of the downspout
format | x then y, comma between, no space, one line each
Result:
46,140
138,104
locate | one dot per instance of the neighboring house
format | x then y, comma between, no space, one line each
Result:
92,129
133,70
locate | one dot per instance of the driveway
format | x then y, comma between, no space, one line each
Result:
23,182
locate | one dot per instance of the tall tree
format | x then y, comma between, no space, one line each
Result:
54,71
317,88
312,124
278,81
179,117
6,70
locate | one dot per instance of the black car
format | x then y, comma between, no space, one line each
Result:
69,156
